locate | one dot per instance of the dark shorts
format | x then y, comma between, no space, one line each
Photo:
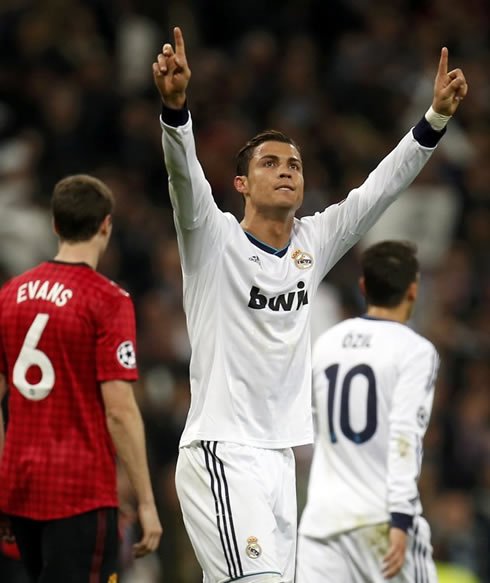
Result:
78,549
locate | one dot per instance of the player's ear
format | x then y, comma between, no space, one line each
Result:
241,184
55,228
106,225
413,290
362,286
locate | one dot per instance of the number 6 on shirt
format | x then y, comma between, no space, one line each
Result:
29,356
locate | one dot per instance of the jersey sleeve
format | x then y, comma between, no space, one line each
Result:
409,417
341,225
201,227
116,340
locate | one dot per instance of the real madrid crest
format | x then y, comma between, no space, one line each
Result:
302,259
253,549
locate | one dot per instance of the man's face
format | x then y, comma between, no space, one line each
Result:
275,179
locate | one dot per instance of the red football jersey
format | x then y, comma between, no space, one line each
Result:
64,329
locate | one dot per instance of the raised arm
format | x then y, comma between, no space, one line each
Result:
172,73
200,225
365,204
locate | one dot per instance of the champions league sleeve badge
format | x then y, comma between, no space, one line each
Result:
253,548
126,354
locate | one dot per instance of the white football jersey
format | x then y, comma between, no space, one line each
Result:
248,305
373,386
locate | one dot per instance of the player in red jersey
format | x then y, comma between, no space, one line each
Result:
67,354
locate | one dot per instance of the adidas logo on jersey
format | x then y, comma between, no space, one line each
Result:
286,302
254,258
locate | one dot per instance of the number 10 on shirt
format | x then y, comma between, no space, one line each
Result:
363,370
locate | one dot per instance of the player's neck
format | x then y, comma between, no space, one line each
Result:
397,314
83,252
275,233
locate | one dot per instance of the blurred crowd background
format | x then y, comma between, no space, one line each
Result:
346,79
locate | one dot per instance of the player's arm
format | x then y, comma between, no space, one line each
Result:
408,420
6,532
198,220
345,223
126,428
187,184
5,527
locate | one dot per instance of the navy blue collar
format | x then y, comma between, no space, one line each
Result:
366,317
265,247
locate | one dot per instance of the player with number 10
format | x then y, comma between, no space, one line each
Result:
373,388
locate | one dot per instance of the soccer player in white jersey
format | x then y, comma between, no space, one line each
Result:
247,295
373,386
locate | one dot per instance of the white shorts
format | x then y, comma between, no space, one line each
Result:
356,556
239,509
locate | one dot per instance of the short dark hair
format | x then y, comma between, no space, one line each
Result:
79,205
389,268
246,152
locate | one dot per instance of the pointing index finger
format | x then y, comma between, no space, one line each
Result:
179,43
443,62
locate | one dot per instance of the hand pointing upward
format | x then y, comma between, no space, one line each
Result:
171,72
449,88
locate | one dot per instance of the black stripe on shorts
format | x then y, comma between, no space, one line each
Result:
420,553
224,515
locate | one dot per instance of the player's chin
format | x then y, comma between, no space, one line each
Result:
288,199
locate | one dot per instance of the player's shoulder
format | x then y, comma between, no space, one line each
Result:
305,224
312,221
414,337
420,343
309,231
332,333
108,288
399,332
406,342
14,281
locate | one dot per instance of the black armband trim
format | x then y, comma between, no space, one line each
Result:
175,117
426,135
401,521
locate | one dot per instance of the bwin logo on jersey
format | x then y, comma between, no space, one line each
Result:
284,302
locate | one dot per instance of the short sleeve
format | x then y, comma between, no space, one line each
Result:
116,340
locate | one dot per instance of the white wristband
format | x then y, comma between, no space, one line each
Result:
437,121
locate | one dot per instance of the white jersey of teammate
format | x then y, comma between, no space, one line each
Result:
248,305
373,386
